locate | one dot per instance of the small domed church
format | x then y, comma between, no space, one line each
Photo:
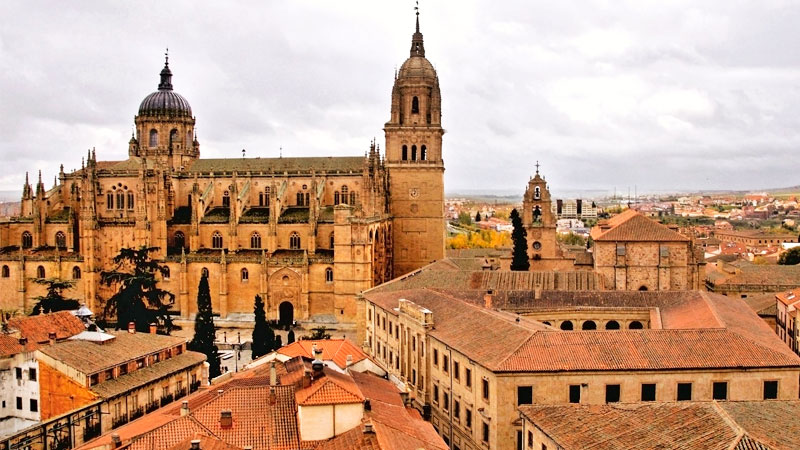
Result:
306,234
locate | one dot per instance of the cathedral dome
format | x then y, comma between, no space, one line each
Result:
417,66
165,101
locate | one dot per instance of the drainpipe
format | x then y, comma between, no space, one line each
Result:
450,400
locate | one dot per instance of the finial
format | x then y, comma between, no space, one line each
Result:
166,57
166,75
417,46
243,152
26,178
280,151
40,176
537,167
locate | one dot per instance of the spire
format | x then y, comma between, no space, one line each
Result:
417,46
166,75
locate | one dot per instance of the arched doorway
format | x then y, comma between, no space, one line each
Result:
286,313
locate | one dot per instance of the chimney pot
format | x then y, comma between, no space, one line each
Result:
23,341
195,444
367,405
131,327
115,440
487,299
153,328
185,408
219,391
368,428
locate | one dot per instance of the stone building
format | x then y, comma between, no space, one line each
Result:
306,234
633,252
469,358
744,279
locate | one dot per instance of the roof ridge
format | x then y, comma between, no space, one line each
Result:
740,433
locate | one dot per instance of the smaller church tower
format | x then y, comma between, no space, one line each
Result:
540,224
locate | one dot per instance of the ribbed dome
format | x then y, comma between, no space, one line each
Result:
416,66
165,101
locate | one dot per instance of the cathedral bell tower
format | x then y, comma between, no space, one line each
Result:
539,223
165,126
414,162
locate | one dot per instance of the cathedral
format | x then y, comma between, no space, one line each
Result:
306,234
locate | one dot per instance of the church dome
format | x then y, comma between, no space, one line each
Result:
416,66
165,101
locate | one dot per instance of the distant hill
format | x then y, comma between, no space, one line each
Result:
8,209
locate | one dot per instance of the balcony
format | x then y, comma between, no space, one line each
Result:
167,399
194,386
150,407
137,412
180,393
91,431
119,421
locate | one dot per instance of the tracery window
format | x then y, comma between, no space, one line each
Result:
61,240
245,275
294,241
216,240
255,240
130,200
329,275
120,200
226,198
27,239
180,239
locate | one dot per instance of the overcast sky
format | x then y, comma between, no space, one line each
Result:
665,95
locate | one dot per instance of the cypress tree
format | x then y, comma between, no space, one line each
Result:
278,341
290,337
263,336
204,331
478,216
519,260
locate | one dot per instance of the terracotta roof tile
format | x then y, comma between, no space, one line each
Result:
140,377
331,389
632,226
38,328
10,345
353,439
774,424
206,443
335,350
168,435
344,164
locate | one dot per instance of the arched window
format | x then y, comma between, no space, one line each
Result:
165,273
332,241
329,275
370,236
245,275
344,194
537,193
300,198
423,153
40,272
566,325
27,239
405,153
6,272
110,200
204,272
589,325
294,241
216,240
353,198
415,105
336,198
61,240
173,136
307,199
120,200
612,325
255,240
130,200
635,325
153,138
413,152
226,198
180,239
189,138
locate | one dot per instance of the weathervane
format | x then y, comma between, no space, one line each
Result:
243,151
537,167
166,56
416,8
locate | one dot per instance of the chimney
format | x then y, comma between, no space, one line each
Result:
349,361
226,419
195,444
23,341
273,376
153,328
185,408
317,353
487,299
131,327
317,366
368,428
367,405
306,382
115,440
52,336
219,391
272,396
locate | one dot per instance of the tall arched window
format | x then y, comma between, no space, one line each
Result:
413,152
216,240
226,198
6,272
27,239
405,153
189,138
130,200
344,194
204,272
245,275
76,273
423,153
153,138
110,200
180,239
331,240
255,240
537,193
294,241
415,105
40,272
329,275
61,240
353,198
300,198
336,198
173,136
120,200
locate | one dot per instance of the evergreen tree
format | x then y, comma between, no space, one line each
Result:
138,300
477,216
791,257
278,341
204,331
263,335
519,260
319,333
54,301
290,337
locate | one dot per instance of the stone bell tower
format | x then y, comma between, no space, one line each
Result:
540,224
414,162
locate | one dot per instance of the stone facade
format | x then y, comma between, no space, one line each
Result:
307,234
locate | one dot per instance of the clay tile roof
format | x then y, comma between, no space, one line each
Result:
168,435
206,443
692,426
789,297
38,328
141,377
348,164
642,350
335,350
89,357
632,226
773,424
10,345
353,439
331,389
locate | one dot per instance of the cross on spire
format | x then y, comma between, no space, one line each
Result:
537,167
166,57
